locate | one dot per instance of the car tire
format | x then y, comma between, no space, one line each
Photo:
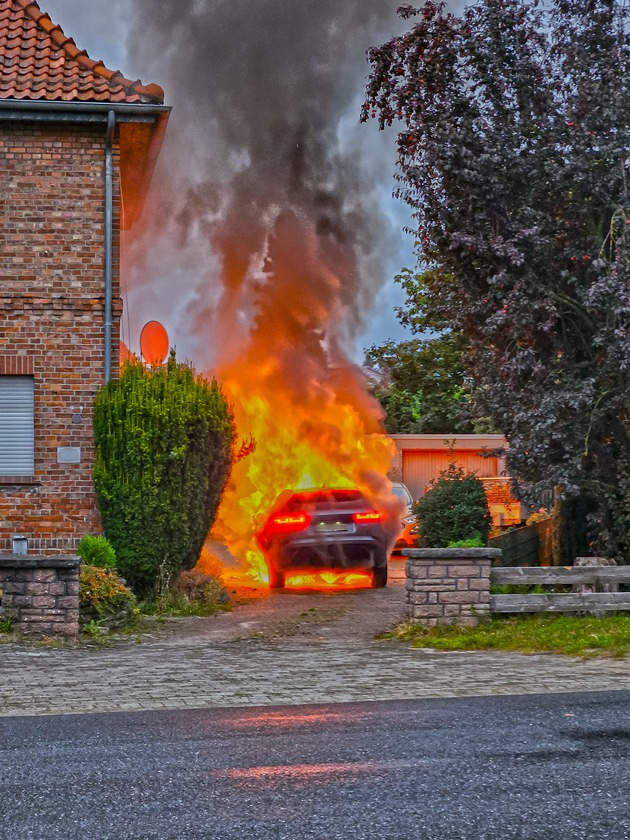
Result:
276,579
379,577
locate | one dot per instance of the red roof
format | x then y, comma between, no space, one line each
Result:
37,61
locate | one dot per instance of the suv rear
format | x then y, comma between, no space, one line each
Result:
329,528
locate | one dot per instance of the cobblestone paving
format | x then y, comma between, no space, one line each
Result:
282,650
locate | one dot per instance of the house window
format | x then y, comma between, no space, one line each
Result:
17,438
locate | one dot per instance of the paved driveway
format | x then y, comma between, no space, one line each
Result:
286,648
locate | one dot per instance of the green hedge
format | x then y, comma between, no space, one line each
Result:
164,449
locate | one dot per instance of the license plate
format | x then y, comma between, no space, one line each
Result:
328,527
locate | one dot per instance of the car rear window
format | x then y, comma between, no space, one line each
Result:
317,498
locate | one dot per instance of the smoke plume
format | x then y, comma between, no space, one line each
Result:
264,227
264,243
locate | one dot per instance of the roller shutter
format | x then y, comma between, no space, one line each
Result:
420,466
17,447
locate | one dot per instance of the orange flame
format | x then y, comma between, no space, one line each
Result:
320,442
293,390
346,579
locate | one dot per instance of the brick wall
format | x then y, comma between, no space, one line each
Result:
52,260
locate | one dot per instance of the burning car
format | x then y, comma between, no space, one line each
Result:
329,528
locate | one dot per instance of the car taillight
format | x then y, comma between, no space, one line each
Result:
368,516
284,523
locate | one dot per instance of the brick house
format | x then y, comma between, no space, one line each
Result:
78,144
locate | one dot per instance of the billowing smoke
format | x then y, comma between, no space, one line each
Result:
264,226
265,244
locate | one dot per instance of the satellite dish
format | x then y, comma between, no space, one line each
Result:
154,343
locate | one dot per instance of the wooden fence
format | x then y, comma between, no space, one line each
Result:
596,578
526,546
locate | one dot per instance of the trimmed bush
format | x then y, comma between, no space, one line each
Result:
97,551
453,509
164,449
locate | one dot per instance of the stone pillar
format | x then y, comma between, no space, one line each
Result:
40,594
448,585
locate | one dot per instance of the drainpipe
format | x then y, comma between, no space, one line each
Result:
109,240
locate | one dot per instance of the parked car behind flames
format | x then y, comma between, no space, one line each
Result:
407,537
329,528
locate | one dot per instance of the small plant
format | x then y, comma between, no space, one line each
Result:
473,542
104,598
6,625
539,515
93,628
454,508
97,551
163,589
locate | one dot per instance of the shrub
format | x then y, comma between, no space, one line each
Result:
97,551
197,586
164,448
193,593
454,508
104,597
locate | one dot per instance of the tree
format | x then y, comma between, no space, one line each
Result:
422,385
164,448
514,154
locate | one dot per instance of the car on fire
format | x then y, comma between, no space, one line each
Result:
322,529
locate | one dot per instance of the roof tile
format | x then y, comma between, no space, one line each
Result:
38,61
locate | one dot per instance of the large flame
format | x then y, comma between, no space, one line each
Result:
316,439
310,415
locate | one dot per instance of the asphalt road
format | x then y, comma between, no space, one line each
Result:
532,766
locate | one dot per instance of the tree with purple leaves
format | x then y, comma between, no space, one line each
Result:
514,153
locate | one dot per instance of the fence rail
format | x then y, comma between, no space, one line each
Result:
526,546
597,577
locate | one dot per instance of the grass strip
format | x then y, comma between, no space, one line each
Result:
570,635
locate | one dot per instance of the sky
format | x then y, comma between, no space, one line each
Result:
174,45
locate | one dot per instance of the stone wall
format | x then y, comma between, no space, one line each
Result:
448,585
40,594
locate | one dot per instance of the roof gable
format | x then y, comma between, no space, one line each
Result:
39,62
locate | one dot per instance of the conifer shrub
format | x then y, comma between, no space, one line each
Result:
97,551
453,509
164,448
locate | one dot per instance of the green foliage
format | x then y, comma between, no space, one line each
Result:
164,449
102,591
570,635
92,628
423,388
525,589
514,155
97,551
6,625
454,508
472,542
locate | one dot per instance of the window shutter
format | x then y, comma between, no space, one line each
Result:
17,445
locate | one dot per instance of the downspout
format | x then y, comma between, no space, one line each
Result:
109,240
